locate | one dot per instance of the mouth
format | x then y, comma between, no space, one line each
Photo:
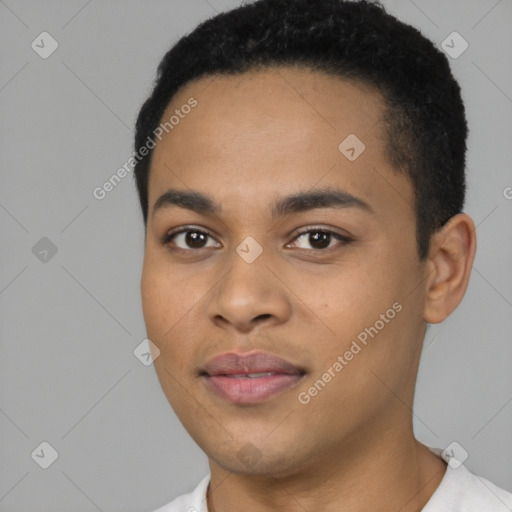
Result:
250,378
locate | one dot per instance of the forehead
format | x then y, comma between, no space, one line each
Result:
296,104
263,131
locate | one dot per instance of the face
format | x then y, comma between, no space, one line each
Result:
281,281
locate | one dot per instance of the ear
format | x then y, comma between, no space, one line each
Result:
449,265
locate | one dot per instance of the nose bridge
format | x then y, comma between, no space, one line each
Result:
249,289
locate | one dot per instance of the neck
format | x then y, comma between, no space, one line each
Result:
393,473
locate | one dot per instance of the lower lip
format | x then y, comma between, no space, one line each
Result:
250,391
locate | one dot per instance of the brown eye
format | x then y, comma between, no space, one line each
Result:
319,239
188,239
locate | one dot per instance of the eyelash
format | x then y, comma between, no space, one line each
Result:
168,237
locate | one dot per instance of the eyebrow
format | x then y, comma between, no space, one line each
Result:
295,203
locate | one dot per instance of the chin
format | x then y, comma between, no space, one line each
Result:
263,467
274,461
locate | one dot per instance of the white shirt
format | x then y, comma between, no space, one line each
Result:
459,491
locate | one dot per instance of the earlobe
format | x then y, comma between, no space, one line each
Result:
451,258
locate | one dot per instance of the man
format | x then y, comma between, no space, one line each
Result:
302,190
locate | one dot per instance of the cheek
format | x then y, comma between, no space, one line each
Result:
347,298
171,302
160,295
165,315
354,306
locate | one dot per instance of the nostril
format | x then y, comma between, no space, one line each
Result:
263,317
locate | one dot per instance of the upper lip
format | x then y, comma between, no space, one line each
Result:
232,363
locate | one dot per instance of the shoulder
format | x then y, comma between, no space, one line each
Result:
462,491
192,502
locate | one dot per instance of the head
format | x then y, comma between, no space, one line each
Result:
319,167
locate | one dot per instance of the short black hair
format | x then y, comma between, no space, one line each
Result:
425,121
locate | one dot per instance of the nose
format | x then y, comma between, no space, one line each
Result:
250,294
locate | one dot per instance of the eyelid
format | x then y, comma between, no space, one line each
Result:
321,228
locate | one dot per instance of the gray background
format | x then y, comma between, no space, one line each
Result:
69,325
